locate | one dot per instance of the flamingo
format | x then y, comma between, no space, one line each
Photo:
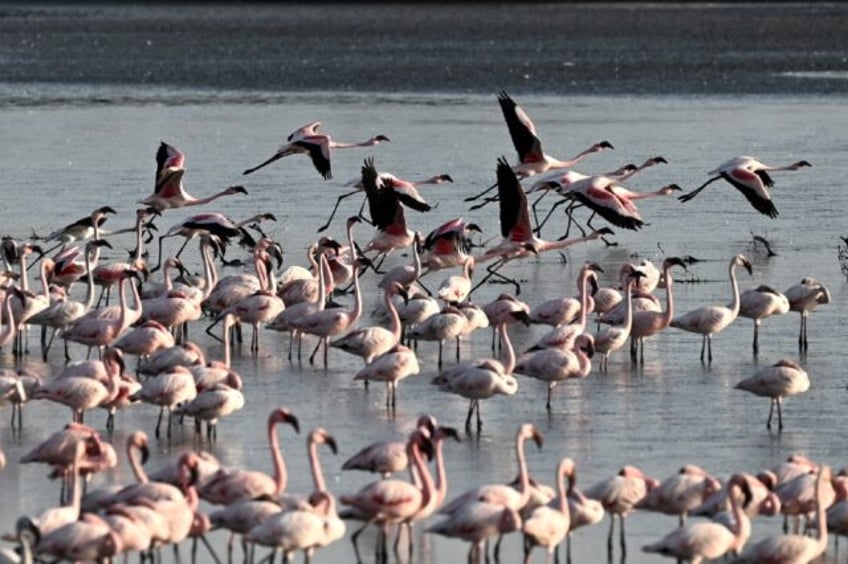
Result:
169,192
476,523
759,303
709,320
804,297
391,367
145,339
647,322
167,390
709,540
17,387
210,223
798,498
455,289
519,240
87,540
532,159
682,492
372,342
213,403
227,486
107,275
482,378
794,548
447,324
307,140
613,338
406,189
506,308
391,501
783,379
553,365
448,245
80,230
548,525
751,177
387,456
404,275
620,495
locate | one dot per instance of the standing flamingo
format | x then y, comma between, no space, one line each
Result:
169,192
482,378
554,365
167,390
681,492
371,342
783,379
307,140
620,495
548,525
387,456
759,303
391,367
227,486
454,290
614,337
709,540
804,297
709,320
751,177
794,548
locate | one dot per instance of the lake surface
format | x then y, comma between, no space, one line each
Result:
82,115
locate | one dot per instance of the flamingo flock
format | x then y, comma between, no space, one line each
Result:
139,351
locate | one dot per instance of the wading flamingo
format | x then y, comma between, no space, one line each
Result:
783,379
804,297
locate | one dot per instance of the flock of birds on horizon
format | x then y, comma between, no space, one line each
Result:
174,373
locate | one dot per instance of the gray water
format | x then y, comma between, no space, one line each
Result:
69,147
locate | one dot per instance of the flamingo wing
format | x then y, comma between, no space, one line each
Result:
753,188
318,147
521,130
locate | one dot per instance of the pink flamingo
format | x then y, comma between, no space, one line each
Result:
391,367
145,339
709,320
759,303
620,495
372,342
548,525
307,140
228,486
783,379
751,177
709,540
448,245
682,492
387,456
447,324
167,390
614,337
794,548
392,501
455,289
606,197
477,522
563,335
386,210
481,379
555,365
108,275
213,403
169,192
519,240
87,540
804,297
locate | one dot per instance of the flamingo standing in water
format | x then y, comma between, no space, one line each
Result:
751,177
532,159
782,379
169,191
759,303
554,365
388,456
804,297
307,140
709,540
548,525
614,337
709,320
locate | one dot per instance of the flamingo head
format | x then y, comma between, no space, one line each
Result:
138,439
427,422
739,481
283,415
521,316
668,189
741,260
379,139
801,164
443,432
585,343
420,439
321,436
529,431
602,145
673,261
236,190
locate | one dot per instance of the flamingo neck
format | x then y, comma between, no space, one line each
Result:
310,256
24,281
509,351
315,466
45,286
562,473
76,470
523,476
427,488
628,305
324,274
136,307
227,326
8,330
139,240
122,319
742,528
280,476
89,279
416,261
584,297
441,475
669,299
135,464
734,305
356,312
821,515
394,318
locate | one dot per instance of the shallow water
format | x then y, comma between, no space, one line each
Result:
63,154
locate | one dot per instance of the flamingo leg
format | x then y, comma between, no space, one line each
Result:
621,539
778,401
335,208
550,391
457,348
756,344
703,347
481,194
314,352
470,413
771,411
609,536
535,215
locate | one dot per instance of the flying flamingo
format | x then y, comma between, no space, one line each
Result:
532,159
80,230
405,189
620,495
448,245
482,378
695,542
228,486
709,320
519,240
553,365
783,379
759,303
307,140
751,177
169,192
210,223
804,297
794,548
548,525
